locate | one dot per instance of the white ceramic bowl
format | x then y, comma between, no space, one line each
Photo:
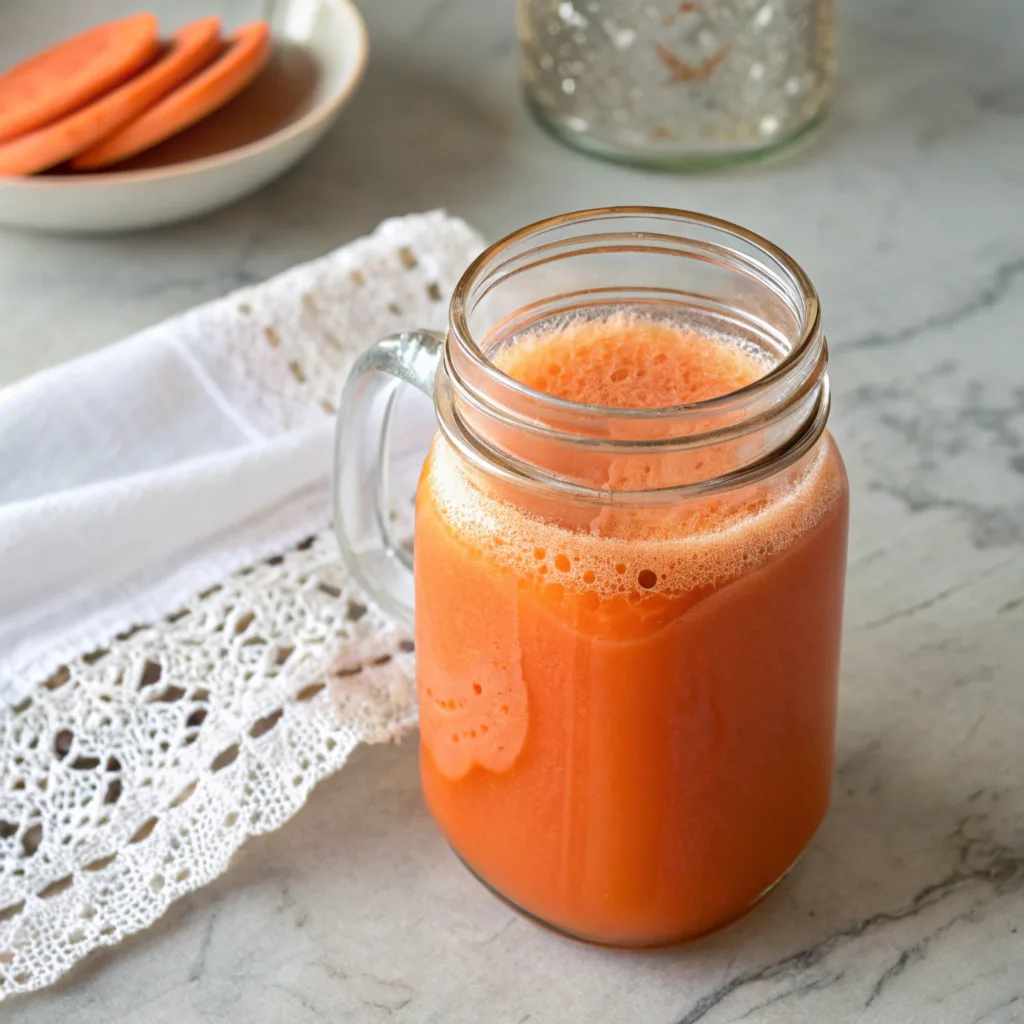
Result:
330,38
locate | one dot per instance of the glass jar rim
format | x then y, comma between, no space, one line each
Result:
460,332
469,381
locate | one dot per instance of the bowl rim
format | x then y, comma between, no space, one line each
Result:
322,112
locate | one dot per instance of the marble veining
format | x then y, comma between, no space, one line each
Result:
908,213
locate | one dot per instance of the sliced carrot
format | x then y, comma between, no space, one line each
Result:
66,76
247,52
191,48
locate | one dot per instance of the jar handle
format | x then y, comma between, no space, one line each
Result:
380,562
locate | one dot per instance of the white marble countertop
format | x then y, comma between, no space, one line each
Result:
909,215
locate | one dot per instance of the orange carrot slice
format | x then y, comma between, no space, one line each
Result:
191,48
247,51
66,76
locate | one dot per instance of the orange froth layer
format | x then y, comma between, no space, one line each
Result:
630,362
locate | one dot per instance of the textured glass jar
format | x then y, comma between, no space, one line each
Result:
676,83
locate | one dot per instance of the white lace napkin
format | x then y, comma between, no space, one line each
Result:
181,656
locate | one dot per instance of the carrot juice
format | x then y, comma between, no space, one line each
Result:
627,719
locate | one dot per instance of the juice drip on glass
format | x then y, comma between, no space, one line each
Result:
627,721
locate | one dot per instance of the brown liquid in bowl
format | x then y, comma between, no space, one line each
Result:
284,91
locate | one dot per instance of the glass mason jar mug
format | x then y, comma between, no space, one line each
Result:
627,619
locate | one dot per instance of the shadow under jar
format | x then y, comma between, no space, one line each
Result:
627,620
683,85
